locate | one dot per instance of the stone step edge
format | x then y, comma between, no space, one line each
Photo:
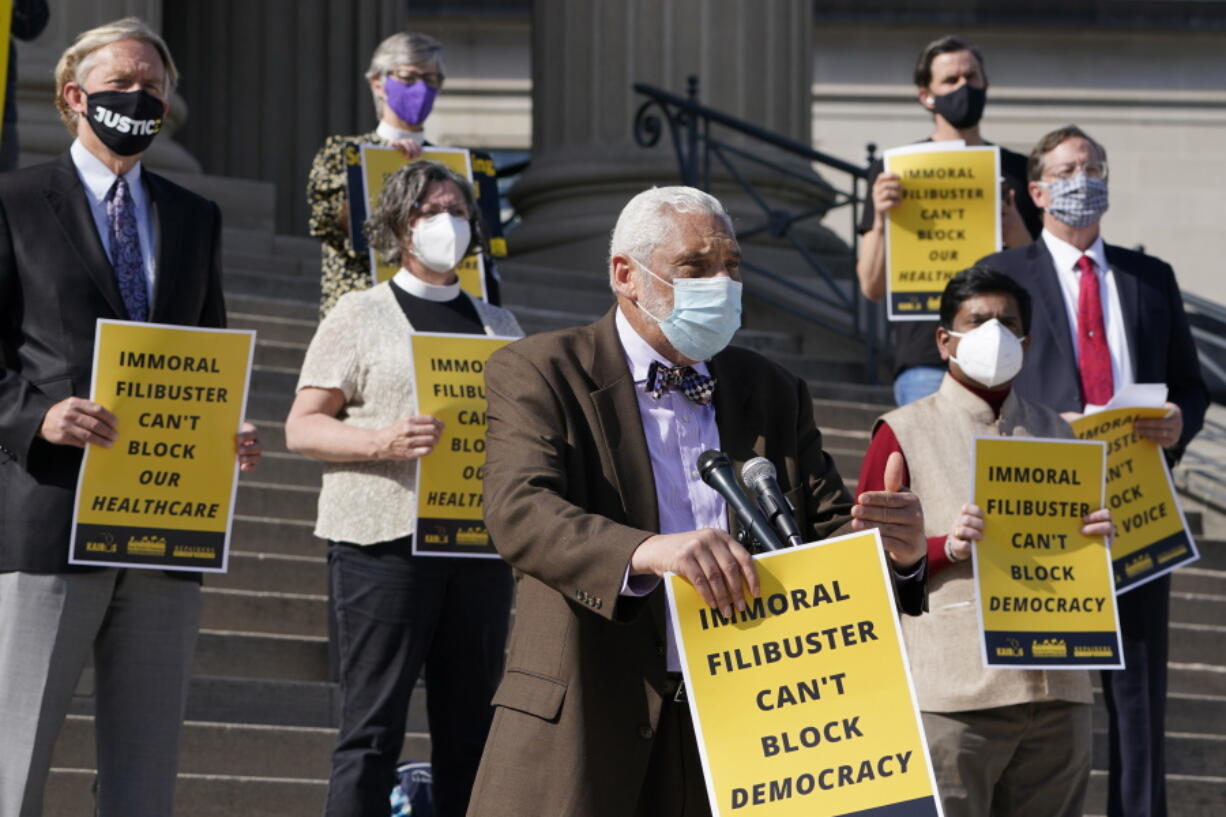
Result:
306,489
253,316
277,344
1202,571
286,455
263,367
235,592
1197,667
1202,628
1215,597
275,520
283,557
231,778
314,639
297,303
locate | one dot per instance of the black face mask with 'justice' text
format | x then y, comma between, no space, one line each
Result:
125,121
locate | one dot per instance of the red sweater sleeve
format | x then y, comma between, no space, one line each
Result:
872,469
872,478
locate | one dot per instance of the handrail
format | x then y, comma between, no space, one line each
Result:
692,106
833,303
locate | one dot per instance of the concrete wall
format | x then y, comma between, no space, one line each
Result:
1155,98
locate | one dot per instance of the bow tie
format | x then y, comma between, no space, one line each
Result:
662,377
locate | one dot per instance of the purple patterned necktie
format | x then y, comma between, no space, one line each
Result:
661,377
125,251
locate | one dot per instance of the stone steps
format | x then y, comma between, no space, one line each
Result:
267,656
1187,795
261,572
208,748
70,790
261,710
265,611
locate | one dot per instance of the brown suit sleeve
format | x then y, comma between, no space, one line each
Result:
539,500
828,505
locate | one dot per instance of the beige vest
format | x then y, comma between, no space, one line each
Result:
936,435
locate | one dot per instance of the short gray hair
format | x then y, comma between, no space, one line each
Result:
642,225
77,59
388,227
403,48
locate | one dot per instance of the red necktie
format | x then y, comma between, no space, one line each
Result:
1094,358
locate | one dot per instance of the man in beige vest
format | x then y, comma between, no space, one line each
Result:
1003,741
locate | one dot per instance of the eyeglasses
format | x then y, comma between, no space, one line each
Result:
433,79
430,210
1092,170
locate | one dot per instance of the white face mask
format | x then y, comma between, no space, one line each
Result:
706,314
989,354
441,241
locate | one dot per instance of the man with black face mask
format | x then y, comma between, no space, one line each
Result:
952,85
1106,317
92,235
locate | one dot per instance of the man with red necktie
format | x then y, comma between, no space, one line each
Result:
1105,317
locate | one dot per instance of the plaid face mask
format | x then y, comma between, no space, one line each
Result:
1078,201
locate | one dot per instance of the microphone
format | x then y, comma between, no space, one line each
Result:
760,476
716,470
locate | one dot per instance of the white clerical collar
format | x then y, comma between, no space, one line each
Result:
639,353
99,179
439,293
391,133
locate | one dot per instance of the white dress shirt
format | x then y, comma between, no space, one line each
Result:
1065,257
678,431
98,180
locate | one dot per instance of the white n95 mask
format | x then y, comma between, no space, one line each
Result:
441,241
706,314
989,354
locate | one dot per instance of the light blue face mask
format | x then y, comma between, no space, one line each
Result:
706,314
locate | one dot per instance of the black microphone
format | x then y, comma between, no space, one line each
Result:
716,470
761,478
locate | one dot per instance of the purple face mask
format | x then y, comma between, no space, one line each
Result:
412,103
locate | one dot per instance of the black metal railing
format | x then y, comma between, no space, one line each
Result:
700,140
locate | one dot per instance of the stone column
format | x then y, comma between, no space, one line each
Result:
41,132
754,61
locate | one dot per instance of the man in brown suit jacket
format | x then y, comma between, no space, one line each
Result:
589,485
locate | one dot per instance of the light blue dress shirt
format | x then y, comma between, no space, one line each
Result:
98,179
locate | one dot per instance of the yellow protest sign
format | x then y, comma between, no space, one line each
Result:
6,21
378,164
163,495
949,218
1152,536
1045,593
803,704
449,383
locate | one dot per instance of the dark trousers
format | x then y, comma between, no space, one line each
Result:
1136,704
674,785
396,612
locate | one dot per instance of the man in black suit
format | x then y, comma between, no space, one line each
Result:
92,235
1105,317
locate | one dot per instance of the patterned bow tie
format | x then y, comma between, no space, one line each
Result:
661,377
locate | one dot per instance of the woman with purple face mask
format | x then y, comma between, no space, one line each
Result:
405,76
